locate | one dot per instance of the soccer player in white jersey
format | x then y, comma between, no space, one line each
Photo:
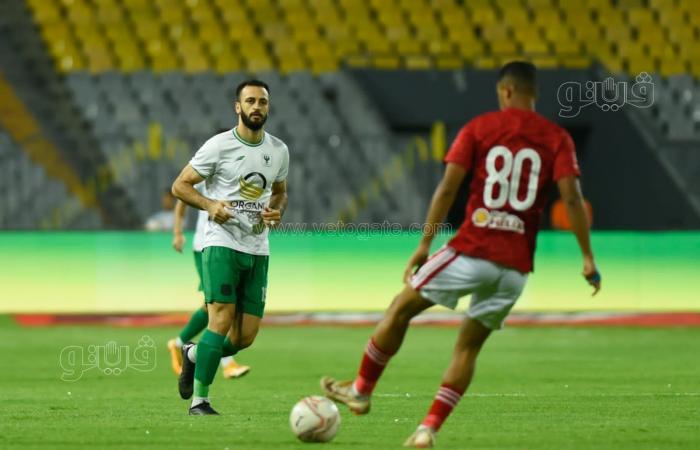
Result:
199,319
245,172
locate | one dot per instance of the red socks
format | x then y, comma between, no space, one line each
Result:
446,399
373,362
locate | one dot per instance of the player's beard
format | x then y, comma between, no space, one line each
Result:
254,126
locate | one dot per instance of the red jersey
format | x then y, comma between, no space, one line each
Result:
514,155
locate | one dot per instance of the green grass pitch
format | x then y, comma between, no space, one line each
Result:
535,388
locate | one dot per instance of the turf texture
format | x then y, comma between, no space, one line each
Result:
535,388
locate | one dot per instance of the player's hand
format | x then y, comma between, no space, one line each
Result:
591,274
271,217
219,212
178,242
419,257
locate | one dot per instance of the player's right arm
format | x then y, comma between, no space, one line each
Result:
442,200
183,188
570,191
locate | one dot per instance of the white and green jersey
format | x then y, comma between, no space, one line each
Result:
241,173
202,219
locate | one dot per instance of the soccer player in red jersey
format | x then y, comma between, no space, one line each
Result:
513,155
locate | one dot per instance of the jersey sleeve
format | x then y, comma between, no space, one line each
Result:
565,163
204,161
462,150
284,167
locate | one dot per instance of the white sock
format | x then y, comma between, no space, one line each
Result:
192,354
226,360
179,342
198,400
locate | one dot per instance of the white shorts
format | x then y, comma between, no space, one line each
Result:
448,275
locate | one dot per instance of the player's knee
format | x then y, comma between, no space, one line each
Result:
244,341
219,321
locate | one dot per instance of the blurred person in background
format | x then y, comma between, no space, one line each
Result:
164,219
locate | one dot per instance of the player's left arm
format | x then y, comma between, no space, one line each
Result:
272,214
178,235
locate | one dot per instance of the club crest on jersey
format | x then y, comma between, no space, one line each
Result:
497,220
266,160
252,185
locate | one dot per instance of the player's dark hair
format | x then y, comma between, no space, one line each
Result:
251,82
523,75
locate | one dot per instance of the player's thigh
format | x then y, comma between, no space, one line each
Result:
253,287
408,303
449,276
492,303
221,275
221,316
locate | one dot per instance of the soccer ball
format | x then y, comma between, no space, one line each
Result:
314,419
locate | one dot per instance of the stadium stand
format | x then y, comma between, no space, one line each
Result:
150,80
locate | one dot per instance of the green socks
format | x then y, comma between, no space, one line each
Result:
208,356
228,349
197,323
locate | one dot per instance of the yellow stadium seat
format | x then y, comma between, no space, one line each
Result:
672,67
486,62
358,61
682,35
471,49
45,12
635,66
539,5
503,47
566,47
318,50
110,15
343,49
319,66
129,57
234,17
417,62
448,63
386,62
544,61
559,32
535,47
547,18
69,62
259,63
80,13
99,61
195,62
575,62
625,4
377,44
496,32
242,33
292,64
304,35
516,17
441,47
173,15
484,16
409,47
